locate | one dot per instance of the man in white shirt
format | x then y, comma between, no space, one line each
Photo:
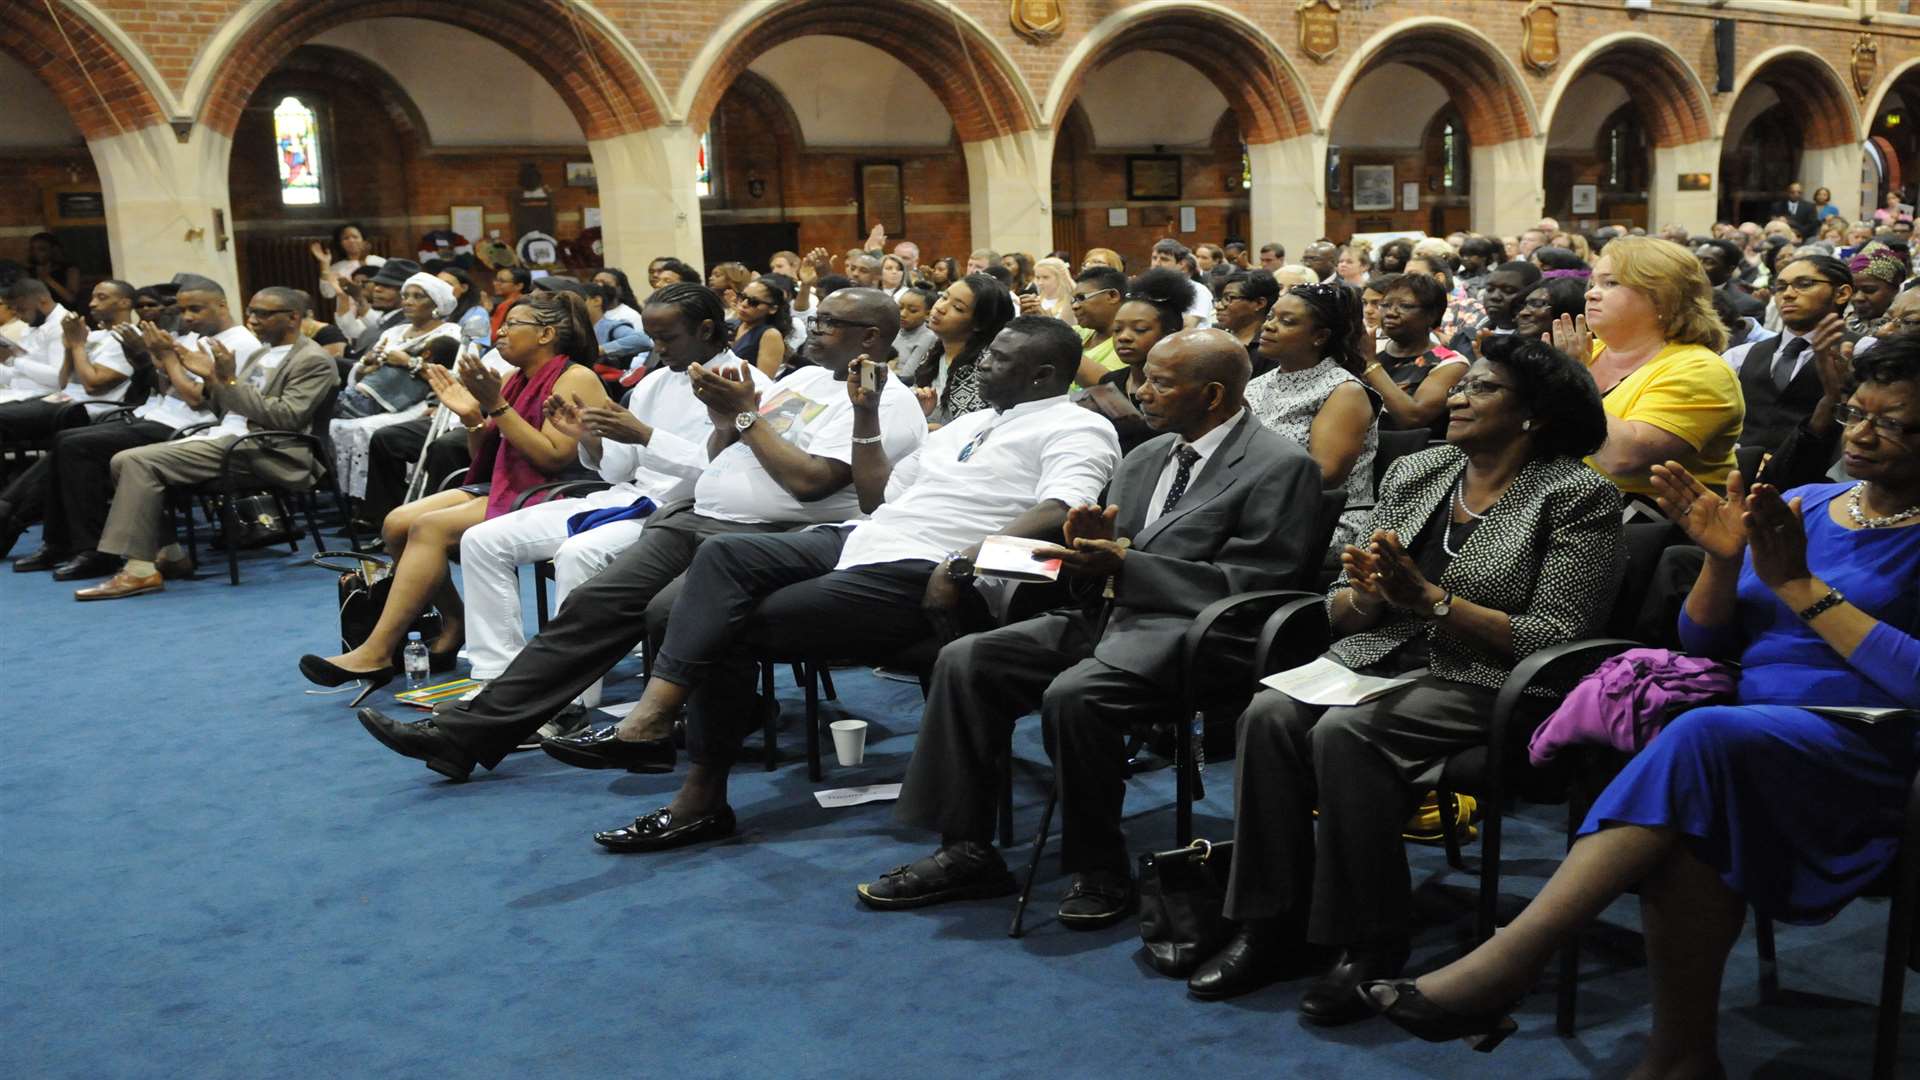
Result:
654,450
1218,505
64,361
871,589
74,480
776,459
1174,255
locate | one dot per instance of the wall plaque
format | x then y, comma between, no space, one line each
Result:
1866,64
1039,21
1540,37
1319,28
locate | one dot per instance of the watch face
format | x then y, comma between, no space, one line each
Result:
743,421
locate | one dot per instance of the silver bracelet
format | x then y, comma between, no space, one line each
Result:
867,441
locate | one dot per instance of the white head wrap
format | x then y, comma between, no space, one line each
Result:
441,292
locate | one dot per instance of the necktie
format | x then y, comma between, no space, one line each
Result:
1186,455
1784,361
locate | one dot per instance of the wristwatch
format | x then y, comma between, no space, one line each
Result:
743,421
1444,605
959,568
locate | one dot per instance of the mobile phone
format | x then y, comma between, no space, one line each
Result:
869,375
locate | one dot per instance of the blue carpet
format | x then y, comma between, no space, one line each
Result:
206,872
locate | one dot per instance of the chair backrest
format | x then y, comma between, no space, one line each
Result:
1332,503
1395,445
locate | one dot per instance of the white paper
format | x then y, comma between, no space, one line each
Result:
590,217
1117,217
621,710
1012,557
468,221
1410,195
1863,714
1189,221
854,796
1328,684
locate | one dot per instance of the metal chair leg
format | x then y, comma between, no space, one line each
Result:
1033,864
539,597
1489,867
1185,782
230,529
772,715
1449,826
807,674
826,685
1769,962
1006,800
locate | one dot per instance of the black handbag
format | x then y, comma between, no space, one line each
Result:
1182,893
259,520
363,593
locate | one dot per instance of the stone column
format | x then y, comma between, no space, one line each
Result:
648,205
1836,168
161,196
1288,201
1694,211
1507,197
1010,184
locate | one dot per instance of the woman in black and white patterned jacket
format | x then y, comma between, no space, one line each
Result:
1480,552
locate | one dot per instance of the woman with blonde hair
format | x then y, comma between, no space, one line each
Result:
1355,263
1653,343
1104,257
1054,281
729,279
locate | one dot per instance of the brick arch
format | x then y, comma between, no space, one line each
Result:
1811,89
1669,96
969,75
1482,84
1263,91
1901,75
601,83
117,100
770,107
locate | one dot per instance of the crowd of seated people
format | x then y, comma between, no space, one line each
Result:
804,462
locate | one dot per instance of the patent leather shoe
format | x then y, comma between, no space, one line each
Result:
1260,953
87,564
1335,998
121,586
662,829
42,558
420,740
602,749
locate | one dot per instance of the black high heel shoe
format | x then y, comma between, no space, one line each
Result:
323,672
1400,1001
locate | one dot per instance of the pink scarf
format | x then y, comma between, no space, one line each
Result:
512,472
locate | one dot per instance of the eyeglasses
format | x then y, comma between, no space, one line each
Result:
268,313
756,301
520,322
831,324
1080,298
1849,415
1482,389
1800,285
1228,298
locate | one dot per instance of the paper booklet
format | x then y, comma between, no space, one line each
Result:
1864,714
1327,683
1012,557
428,696
788,413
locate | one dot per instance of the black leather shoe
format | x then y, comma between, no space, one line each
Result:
419,740
968,870
601,750
86,566
1257,956
1335,998
1098,898
45,558
661,830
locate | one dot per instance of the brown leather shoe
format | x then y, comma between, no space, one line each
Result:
122,584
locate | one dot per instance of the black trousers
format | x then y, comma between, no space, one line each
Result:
393,450
72,485
21,421
598,625
747,597
1365,768
981,685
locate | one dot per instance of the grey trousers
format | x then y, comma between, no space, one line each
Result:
981,685
1365,768
141,477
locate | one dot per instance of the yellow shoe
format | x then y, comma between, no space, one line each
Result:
1424,826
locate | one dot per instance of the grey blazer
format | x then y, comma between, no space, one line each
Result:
1246,522
293,394
1547,555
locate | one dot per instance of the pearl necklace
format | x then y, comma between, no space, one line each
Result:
1459,500
1861,519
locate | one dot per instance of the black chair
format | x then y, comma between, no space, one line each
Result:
543,569
1221,664
1393,446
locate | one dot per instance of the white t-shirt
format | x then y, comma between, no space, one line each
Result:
666,469
1202,306
103,350
175,413
38,371
344,268
737,487
938,503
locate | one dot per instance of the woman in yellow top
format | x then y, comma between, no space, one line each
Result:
1667,392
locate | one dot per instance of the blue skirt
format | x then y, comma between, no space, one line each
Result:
1797,812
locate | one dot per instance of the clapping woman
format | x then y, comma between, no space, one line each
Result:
510,438
1816,592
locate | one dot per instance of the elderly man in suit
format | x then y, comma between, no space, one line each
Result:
1216,505
281,386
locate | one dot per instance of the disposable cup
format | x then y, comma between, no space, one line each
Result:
850,741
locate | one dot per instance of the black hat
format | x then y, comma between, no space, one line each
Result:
395,272
559,283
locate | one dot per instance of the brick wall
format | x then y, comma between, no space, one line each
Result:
26,178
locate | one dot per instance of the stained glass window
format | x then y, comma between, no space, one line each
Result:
297,142
1449,156
1246,169
703,172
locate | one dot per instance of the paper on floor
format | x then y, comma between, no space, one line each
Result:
853,796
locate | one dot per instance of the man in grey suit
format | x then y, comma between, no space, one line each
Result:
1215,506
280,387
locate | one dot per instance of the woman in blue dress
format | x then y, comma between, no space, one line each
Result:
1763,803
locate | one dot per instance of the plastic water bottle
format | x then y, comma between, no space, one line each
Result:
415,657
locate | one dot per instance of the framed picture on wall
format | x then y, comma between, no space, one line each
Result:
1153,176
1373,187
581,174
1586,198
883,197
